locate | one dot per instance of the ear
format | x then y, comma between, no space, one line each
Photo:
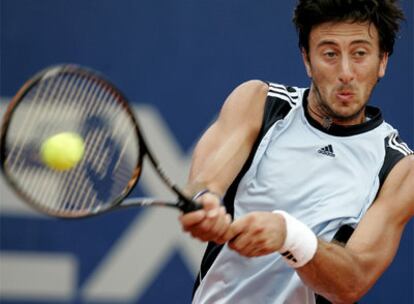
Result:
306,61
383,65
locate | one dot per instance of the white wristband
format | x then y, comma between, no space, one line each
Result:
300,244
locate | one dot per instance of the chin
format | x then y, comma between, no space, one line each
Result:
348,114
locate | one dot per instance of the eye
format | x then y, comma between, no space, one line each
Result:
329,54
360,53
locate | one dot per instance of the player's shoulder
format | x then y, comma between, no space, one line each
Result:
263,87
244,106
263,99
247,96
253,86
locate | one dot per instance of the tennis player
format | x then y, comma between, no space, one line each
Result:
319,186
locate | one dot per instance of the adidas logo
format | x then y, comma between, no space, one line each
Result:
328,151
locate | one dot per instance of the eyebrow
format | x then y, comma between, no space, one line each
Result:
332,42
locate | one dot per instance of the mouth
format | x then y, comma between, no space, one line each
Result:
345,95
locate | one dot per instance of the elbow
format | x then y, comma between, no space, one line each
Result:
349,293
348,298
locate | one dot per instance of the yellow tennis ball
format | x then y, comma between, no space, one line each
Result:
62,151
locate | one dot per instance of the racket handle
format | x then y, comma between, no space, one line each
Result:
187,205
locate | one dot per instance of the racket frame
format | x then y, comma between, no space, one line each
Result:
183,203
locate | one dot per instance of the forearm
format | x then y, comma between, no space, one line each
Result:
340,274
335,273
345,274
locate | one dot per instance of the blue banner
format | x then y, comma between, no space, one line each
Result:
176,61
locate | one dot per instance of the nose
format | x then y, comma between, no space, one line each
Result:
346,74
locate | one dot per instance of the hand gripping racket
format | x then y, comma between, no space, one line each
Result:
70,98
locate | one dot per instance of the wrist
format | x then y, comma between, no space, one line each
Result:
300,243
204,191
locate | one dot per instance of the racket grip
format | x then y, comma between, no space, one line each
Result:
187,205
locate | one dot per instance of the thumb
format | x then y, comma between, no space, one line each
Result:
236,228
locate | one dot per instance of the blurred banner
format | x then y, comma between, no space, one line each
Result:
176,61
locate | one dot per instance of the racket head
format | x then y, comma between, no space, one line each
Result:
71,98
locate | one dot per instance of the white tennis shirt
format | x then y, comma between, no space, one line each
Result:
326,178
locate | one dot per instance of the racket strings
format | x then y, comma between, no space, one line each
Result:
83,104
43,95
122,129
59,109
73,180
25,121
41,103
101,155
81,195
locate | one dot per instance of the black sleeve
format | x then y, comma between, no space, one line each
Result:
395,150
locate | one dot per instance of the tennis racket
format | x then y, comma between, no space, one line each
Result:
71,98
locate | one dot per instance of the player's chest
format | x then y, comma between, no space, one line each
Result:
300,164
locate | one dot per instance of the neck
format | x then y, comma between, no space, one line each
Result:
325,120
325,116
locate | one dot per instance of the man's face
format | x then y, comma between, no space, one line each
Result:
344,63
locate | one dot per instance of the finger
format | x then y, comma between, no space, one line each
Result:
217,221
204,229
210,204
241,243
213,228
234,230
210,223
255,249
222,239
221,225
193,218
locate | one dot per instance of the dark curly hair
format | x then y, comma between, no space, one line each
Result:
384,14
